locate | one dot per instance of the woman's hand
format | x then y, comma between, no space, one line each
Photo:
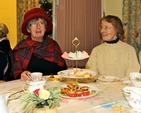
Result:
96,76
24,75
2,81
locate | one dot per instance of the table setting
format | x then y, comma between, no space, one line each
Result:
73,90
109,96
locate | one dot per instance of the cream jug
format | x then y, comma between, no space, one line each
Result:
133,96
3,103
32,86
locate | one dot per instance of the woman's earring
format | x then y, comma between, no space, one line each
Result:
28,31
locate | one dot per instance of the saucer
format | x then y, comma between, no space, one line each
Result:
126,82
109,78
32,83
13,94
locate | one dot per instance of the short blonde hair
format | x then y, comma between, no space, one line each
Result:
3,30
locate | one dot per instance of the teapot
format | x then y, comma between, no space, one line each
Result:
3,103
133,96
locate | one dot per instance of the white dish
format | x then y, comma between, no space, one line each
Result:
92,87
65,73
56,78
109,79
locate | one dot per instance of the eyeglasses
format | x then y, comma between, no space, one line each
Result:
105,28
34,24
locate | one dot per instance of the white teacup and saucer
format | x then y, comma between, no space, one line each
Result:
35,76
36,82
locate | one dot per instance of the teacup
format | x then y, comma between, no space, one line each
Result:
36,76
135,77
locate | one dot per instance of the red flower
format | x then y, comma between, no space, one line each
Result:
36,92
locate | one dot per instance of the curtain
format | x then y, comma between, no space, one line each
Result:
132,22
22,7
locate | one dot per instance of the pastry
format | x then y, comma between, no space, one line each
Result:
71,86
71,73
77,54
65,90
86,75
84,88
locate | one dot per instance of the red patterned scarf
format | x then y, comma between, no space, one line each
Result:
48,49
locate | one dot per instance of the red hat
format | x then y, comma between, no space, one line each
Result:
35,13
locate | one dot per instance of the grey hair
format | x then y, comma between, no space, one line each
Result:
35,19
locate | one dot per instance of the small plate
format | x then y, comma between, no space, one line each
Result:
14,96
56,78
109,79
92,87
30,82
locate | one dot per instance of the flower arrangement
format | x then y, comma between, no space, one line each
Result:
41,98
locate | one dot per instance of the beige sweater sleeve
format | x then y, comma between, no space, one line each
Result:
133,63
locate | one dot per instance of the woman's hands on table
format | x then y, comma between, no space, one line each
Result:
24,75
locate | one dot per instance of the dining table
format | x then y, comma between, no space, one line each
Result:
109,99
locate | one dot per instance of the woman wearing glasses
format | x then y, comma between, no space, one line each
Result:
113,57
38,52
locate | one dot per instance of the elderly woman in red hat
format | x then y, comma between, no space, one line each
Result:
38,52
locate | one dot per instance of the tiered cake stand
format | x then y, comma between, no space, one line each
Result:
76,43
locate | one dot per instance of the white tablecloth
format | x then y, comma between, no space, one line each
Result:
110,99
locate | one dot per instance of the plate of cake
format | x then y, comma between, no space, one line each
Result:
78,91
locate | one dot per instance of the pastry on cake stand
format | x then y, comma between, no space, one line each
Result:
72,56
77,55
